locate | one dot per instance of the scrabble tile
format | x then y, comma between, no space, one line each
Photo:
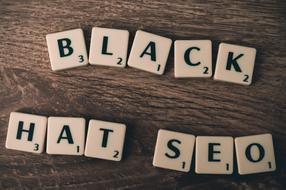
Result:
66,135
149,52
105,140
67,49
174,150
26,132
214,155
235,64
108,47
193,58
255,154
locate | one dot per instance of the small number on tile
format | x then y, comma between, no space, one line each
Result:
183,165
77,148
81,59
206,70
36,147
116,154
158,67
119,61
269,164
246,77
227,167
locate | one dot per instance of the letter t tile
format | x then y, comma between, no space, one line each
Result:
105,140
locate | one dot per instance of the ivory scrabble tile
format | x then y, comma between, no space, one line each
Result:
214,155
193,58
174,150
26,132
108,47
255,154
235,64
105,140
66,135
149,52
67,49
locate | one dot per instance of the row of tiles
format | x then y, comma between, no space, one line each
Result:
174,150
149,52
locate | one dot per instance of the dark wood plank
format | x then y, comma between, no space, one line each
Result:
143,101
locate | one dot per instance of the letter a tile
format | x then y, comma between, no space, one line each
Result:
66,135
26,132
235,64
105,140
67,49
174,150
149,52
255,154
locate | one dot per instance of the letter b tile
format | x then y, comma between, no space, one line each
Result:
174,150
214,155
235,64
66,135
67,49
105,140
26,132
255,154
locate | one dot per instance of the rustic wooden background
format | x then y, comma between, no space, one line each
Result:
144,101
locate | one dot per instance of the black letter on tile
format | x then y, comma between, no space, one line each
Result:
67,46
105,136
152,52
68,136
173,148
187,56
248,152
212,152
21,130
231,61
104,46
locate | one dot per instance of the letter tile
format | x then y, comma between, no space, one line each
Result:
193,58
105,140
174,150
108,47
66,135
149,52
214,155
26,132
255,154
235,64
67,49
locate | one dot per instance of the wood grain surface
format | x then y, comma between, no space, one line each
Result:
144,101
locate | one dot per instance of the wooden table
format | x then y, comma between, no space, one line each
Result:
144,101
